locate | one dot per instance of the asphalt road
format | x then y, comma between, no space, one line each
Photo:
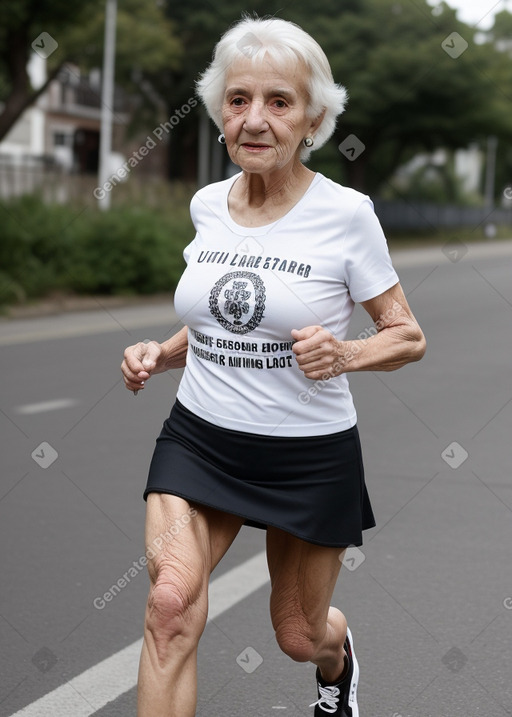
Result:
428,597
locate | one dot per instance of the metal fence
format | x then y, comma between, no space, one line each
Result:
39,175
53,183
404,215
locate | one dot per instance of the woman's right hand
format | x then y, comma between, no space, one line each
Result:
140,362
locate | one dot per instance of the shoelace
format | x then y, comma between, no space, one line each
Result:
329,698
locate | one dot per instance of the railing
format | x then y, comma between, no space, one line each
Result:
54,184
41,175
404,215
82,94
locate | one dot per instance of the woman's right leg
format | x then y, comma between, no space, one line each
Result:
177,607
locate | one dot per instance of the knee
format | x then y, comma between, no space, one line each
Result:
297,640
175,610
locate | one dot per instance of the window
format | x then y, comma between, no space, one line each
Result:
60,139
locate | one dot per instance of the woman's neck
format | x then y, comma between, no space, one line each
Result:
256,200
277,189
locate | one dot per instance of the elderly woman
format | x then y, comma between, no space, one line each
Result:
263,431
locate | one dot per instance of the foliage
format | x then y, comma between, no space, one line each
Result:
502,29
437,184
146,48
127,250
500,36
406,94
147,53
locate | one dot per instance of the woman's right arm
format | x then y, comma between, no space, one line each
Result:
142,360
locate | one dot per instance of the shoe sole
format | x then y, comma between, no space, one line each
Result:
352,695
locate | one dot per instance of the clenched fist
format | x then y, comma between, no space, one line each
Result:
319,355
140,362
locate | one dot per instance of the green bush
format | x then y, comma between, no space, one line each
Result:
132,250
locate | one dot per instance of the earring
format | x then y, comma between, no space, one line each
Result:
309,141
221,139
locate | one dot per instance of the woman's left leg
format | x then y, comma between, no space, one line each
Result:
303,577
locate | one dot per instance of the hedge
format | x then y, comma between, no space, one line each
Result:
129,250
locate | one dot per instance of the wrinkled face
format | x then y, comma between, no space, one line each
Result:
264,114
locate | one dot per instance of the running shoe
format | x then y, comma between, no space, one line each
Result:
339,699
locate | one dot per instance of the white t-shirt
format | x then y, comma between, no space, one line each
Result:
245,289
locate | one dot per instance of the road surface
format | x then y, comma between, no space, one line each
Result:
428,596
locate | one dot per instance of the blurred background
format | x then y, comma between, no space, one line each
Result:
427,131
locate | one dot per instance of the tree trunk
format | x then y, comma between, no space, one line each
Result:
16,54
19,100
356,172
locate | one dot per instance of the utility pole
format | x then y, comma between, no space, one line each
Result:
107,99
203,177
490,171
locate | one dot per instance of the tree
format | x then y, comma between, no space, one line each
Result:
411,87
500,37
21,22
148,52
146,46
406,93
501,32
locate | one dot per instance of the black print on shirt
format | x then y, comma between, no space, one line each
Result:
274,263
238,353
237,301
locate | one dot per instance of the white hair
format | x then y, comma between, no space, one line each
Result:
279,40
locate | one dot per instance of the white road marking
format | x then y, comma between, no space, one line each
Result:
29,409
93,689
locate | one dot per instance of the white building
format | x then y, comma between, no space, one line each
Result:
27,137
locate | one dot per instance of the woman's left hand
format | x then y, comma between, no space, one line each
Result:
395,341
319,355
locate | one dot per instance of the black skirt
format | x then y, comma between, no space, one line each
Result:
312,487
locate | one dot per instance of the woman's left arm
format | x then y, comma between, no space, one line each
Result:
398,341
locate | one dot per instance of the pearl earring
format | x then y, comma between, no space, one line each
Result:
308,142
221,139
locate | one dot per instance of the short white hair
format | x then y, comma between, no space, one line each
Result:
279,40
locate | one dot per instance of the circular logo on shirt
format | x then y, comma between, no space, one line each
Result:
237,301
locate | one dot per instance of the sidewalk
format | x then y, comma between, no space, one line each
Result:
103,319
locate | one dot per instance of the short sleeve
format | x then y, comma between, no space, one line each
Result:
194,209
187,251
368,267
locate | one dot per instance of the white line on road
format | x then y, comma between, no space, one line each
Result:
93,689
30,409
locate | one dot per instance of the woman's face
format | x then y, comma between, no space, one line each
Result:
264,115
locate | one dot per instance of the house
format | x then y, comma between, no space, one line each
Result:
60,133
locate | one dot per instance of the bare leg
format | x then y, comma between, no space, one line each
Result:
303,577
177,606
